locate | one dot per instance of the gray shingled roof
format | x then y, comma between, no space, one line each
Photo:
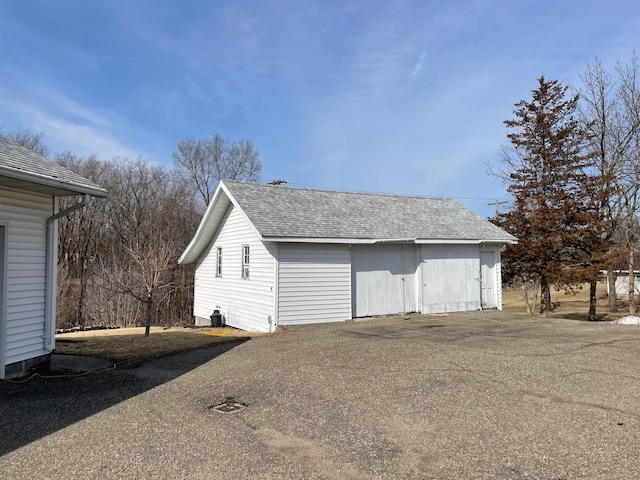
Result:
281,211
23,168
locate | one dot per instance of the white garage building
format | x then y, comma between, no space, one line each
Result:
271,255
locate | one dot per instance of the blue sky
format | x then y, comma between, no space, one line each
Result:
397,96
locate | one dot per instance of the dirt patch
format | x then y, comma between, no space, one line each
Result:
130,343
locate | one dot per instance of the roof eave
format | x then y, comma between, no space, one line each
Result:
283,239
449,241
371,241
72,188
201,238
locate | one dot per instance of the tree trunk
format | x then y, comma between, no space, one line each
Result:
632,285
592,299
613,297
82,298
545,297
149,312
527,300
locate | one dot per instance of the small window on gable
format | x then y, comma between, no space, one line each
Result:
218,261
245,261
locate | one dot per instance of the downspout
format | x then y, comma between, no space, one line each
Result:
51,267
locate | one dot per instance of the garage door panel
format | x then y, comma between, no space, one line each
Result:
383,279
450,278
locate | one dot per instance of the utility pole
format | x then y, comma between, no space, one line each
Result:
497,204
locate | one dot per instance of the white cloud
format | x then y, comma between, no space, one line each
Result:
83,139
417,68
82,59
195,90
67,123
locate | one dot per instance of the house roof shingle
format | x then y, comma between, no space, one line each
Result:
23,168
282,213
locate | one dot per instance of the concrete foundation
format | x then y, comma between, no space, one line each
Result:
25,367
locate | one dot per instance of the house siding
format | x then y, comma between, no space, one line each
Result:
314,283
247,304
25,214
450,278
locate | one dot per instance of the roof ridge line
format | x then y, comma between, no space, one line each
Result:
352,192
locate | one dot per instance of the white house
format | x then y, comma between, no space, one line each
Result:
621,282
29,189
271,255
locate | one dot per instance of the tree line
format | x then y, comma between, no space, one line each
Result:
572,166
117,257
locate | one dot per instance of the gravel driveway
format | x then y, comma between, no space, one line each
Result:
482,395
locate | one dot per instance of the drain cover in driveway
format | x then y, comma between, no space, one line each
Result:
228,407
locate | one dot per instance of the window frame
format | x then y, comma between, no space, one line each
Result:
218,261
245,261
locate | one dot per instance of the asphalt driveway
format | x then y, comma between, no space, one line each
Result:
484,395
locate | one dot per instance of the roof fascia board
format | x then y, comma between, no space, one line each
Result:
500,242
448,241
372,241
319,240
454,241
39,180
185,257
395,240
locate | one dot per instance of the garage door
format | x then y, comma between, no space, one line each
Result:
450,278
383,279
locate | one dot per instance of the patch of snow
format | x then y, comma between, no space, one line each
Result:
628,320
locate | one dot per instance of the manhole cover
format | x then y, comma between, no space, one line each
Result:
228,407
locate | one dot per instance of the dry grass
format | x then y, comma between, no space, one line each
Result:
130,343
570,305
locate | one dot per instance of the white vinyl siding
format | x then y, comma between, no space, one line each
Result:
314,283
384,279
248,303
25,214
450,278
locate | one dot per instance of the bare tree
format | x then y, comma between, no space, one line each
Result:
205,162
146,215
144,279
610,111
117,257
80,236
127,245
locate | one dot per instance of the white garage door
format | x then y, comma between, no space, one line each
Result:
383,279
450,278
